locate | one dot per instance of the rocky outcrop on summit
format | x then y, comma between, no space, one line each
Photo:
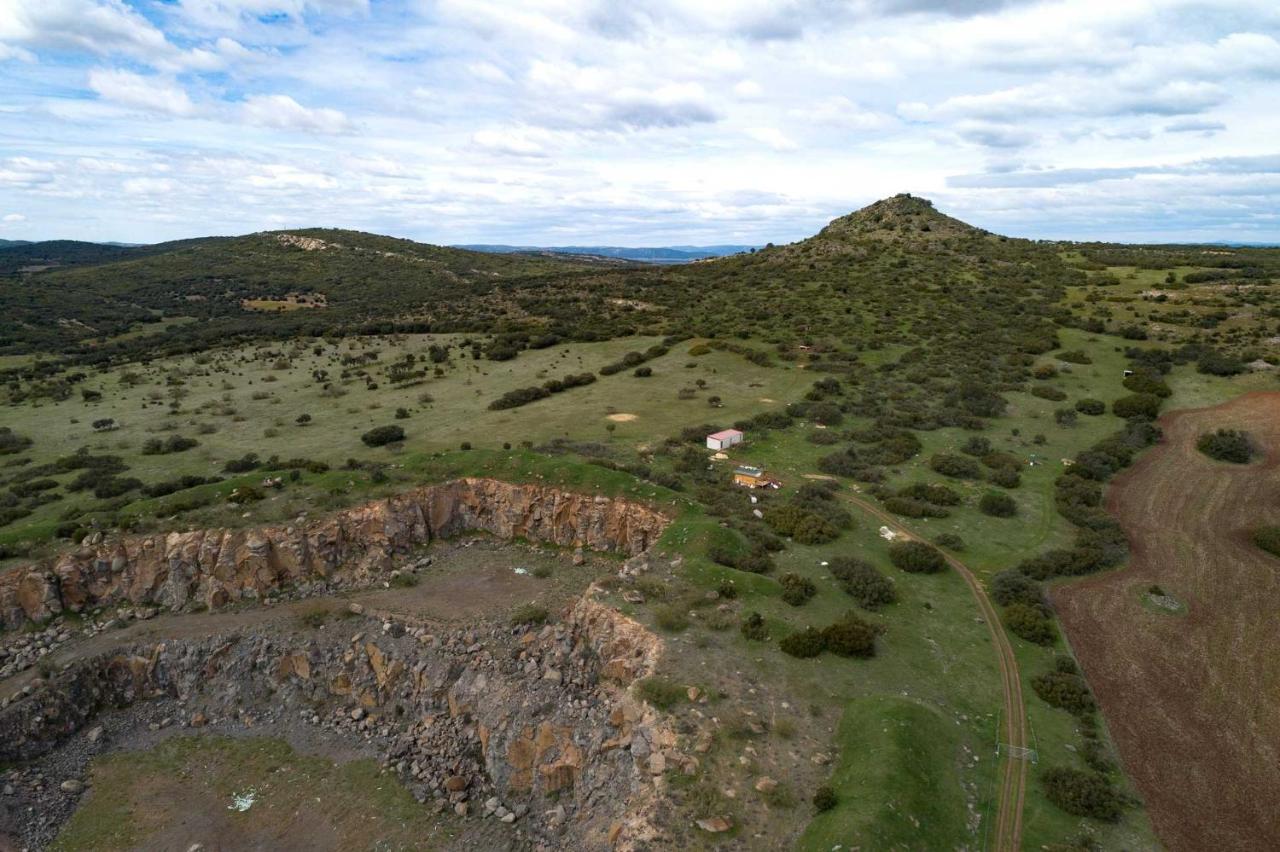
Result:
351,547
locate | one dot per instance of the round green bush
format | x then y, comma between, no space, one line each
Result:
916,557
1228,445
850,637
1085,794
997,505
803,644
382,435
1091,407
824,798
797,590
753,627
863,582
1030,623
956,466
1136,405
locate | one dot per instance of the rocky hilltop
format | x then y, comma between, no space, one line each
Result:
214,567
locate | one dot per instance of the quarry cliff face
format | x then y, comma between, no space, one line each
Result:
218,566
535,724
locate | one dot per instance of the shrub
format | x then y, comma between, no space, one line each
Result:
1228,445
958,467
245,494
951,541
382,435
910,508
11,442
753,627
643,372
824,798
850,637
1047,392
916,557
1136,405
1030,623
114,486
671,617
699,349
661,692
863,582
797,590
1091,407
1080,793
1268,538
1006,477
803,644
1010,587
997,505
805,526
1066,691
244,464
932,493
530,614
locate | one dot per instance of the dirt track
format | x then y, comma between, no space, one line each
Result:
1193,700
1007,834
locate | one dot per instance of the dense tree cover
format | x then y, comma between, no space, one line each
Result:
1228,445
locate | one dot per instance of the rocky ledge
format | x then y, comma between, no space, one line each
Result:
214,567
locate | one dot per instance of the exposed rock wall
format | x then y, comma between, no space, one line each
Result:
214,567
536,725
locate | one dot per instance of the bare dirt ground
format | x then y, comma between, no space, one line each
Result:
1191,699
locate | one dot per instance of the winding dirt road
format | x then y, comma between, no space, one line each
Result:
1007,836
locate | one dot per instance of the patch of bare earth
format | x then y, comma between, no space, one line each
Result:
1191,699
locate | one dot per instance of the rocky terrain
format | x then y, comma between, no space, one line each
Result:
212,568
530,725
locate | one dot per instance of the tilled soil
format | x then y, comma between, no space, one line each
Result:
1191,698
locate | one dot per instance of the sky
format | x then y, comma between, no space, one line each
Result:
641,122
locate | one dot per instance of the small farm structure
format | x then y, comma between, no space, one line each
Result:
754,477
724,439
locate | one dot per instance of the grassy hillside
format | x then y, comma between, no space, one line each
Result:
972,385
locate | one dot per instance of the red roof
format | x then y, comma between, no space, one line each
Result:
725,433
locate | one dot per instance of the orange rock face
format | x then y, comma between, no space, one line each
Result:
219,566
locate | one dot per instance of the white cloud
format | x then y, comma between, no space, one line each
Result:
14,217
149,186
138,92
284,113
773,137
484,119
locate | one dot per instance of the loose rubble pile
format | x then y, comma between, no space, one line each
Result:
21,651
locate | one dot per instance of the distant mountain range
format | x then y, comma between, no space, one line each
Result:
654,254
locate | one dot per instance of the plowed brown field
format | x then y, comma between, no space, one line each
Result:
1193,699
